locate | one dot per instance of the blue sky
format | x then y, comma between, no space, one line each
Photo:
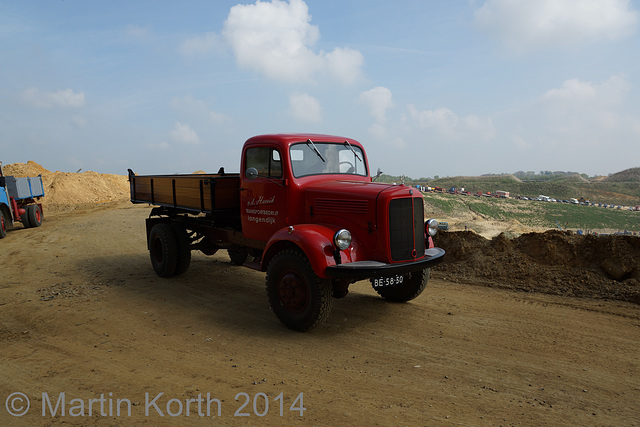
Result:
430,88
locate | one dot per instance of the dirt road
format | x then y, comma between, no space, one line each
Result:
83,318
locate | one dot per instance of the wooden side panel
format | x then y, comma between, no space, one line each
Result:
192,192
228,192
162,190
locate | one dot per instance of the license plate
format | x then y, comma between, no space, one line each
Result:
383,282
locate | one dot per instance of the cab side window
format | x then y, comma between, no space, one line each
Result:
266,160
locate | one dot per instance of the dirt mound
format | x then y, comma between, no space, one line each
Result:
553,262
30,168
68,190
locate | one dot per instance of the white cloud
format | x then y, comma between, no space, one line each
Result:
66,98
78,122
200,45
521,143
449,126
183,134
164,145
526,24
137,33
276,38
305,108
189,104
380,134
573,89
379,101
344,64
582,111
577,93
570,127
197,108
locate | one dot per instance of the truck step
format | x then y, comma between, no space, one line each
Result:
254,265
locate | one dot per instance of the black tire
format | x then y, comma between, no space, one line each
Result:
35,215
3,225
297,296
184,248
25,218
412,286
163,249
237,255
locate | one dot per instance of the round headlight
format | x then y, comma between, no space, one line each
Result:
342,239
431,227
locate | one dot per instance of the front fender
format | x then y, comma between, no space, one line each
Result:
315,240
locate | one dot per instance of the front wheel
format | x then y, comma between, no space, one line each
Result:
298,297
412,286
238,256
3,225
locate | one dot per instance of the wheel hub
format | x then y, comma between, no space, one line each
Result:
292,292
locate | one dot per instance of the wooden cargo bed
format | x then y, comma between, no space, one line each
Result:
198,193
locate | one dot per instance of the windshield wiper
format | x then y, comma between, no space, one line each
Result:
346,144
315,149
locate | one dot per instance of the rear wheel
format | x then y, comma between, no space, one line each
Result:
298,297
184,248
412,286
35,215
25,218
163,249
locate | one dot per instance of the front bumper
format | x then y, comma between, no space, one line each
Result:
360,270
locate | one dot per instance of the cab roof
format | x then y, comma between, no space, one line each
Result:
286,139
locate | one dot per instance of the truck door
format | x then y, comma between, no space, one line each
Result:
263,198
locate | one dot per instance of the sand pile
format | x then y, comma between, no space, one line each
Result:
554,262
68,190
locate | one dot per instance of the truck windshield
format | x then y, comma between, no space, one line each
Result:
321,158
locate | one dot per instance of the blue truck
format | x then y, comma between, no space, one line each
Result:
19,201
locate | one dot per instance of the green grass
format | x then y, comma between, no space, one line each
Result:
536,214
447,205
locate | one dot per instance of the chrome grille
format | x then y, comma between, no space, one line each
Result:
406,229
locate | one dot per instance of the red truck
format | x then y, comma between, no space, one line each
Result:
305,211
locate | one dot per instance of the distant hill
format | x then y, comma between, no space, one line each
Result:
628,175
621,188
577,178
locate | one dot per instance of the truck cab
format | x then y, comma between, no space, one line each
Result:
303,189
279,170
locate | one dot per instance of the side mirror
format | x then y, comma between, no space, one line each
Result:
377,174
251,173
